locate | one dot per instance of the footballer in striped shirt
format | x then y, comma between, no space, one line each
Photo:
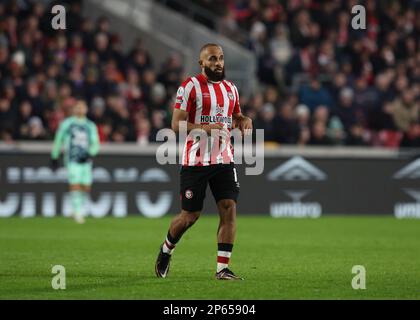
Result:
208,105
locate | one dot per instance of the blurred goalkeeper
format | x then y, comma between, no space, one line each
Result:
79,137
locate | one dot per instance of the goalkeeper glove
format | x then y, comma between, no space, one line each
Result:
84,158
54,164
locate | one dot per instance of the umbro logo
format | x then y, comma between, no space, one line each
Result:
296,208
408,209
297,168
410,171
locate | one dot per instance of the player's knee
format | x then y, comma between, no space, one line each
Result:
227,211
228,206
194,217
190,217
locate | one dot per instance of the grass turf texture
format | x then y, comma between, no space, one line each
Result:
280,259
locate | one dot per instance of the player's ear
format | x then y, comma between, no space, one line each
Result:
200,62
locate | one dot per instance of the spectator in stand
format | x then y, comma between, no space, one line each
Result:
7,116
229,27
335,131
411,138
319,135
97,110
24,115
406,111
288,130
143,131
105,130
281,51
306,53
345,109
355,136
158,122
268,113
314,95
36,130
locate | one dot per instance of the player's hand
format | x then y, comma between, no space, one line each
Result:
54,164
245,125
208,127
84,158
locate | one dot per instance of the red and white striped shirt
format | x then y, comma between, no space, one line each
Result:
208,102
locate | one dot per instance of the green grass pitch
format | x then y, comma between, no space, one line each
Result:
114,258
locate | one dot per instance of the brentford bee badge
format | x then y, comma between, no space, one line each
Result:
188,194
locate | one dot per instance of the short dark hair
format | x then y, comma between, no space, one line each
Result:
207,45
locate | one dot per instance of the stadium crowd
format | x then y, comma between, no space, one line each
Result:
321,82
43,71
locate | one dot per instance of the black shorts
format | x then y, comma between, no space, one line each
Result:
222,179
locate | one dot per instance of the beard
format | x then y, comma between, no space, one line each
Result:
213,75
